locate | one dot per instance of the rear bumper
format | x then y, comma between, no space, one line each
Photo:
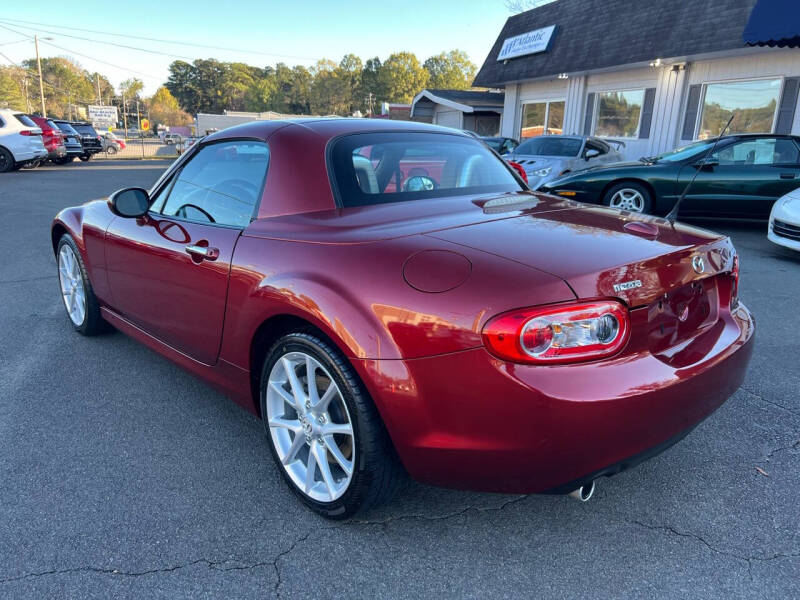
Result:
470,421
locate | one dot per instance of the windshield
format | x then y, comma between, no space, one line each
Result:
550,146
374,168
680,154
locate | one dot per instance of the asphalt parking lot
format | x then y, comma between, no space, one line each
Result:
123,476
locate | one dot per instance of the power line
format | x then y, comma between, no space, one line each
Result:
150,39
86,55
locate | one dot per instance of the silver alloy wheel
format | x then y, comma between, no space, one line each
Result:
310,426
72,290
628,199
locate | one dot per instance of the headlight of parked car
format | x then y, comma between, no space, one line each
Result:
543,172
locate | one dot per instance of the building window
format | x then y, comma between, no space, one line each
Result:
754,104
619,113
542,118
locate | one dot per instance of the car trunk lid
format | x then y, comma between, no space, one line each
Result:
601,252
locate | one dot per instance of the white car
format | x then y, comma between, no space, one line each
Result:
20,140
784,221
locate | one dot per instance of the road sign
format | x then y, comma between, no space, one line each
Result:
145,125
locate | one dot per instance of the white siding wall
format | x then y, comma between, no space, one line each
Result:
509,124
576,105
670,99
447,117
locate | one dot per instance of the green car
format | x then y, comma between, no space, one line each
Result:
740,180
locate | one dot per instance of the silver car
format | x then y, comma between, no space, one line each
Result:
546,157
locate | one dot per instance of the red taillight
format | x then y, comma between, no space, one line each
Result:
518,168
26,132
555,334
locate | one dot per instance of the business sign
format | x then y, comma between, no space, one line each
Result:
531,42
103,116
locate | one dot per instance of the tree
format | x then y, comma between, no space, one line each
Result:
180,84
349,75
164,109
66,84
328,95
402,77
131,88
450,70
12,93
371,87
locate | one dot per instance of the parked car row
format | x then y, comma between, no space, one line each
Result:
31,140
742,176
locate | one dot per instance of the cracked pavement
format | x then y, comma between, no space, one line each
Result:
122,476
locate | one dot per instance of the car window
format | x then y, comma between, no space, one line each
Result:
25,120
374,168
758,151
220,184
550,146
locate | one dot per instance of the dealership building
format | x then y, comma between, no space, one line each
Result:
655,75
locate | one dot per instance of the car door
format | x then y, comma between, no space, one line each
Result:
168,272
742,179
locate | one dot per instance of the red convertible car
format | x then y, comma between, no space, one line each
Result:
391,298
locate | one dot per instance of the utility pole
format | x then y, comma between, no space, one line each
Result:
97,81
41,81
138,118
124,114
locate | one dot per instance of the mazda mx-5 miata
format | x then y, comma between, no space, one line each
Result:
391,298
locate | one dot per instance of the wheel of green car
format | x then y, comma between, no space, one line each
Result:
630,196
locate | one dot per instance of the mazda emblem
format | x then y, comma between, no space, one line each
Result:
698,264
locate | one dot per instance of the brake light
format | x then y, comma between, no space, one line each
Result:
518,168
557,334
25,132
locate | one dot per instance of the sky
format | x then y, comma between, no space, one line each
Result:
258,33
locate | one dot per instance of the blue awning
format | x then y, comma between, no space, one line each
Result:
774,23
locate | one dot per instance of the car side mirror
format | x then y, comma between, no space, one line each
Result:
130,202
591,154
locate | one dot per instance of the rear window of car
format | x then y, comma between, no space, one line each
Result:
375,168
66,128
550,146
25,120
52,125
82,128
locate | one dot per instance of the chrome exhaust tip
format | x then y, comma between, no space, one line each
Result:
583,493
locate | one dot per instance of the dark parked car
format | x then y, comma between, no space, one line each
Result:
52,137
741,179
501,145
389,295
72,140
90,140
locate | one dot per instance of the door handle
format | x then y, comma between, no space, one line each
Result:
202,252
787,175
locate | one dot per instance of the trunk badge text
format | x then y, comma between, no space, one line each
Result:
698,264
627,285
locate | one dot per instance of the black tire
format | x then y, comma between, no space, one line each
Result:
61,160
377,472
85,157
6,161
632,186
111,150
93,323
